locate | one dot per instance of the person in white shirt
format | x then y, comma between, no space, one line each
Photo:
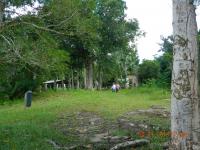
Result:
113,87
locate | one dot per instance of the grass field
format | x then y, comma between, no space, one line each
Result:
28,129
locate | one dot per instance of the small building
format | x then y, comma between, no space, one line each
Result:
51,84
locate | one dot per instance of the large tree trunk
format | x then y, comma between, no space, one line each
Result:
185,119
89,74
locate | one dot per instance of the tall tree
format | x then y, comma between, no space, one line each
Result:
28,56
115,32
74,24
185,118
112,16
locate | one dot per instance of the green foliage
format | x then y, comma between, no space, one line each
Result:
29,57
116,33
62,35
148,69
128,61
150,83
78,23
162,75
165,61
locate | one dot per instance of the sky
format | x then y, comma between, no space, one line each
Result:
155,19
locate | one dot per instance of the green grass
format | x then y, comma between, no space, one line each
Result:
22,128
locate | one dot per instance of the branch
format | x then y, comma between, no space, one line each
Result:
6,39
44,28
130,144
64,20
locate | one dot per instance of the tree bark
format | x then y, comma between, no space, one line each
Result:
62,83
72,78
54,85
100,81
84,76
89,74
185,118
2,8
78,81
69,83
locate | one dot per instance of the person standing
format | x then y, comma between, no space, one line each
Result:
113,87
117,87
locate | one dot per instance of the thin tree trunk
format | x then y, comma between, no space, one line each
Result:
62,83
77,81
2,7
89,74
126,75
72,79
54,84
100,79
45,86
84,75
185,119
69,83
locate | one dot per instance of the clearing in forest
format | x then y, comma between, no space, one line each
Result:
78,119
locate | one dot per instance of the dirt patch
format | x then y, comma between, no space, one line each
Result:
153,119
154,110
94,132
82,124
86,128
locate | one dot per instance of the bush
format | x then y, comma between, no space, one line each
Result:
148,70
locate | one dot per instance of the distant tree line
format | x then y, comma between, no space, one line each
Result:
158,72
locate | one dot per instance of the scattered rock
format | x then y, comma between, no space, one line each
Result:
98,137
166,145
55,145
82,130
131,144
157,107
133,126
89,128
143,126
94,121
118,139
75,147
154,110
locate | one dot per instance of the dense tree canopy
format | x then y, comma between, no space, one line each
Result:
76,41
